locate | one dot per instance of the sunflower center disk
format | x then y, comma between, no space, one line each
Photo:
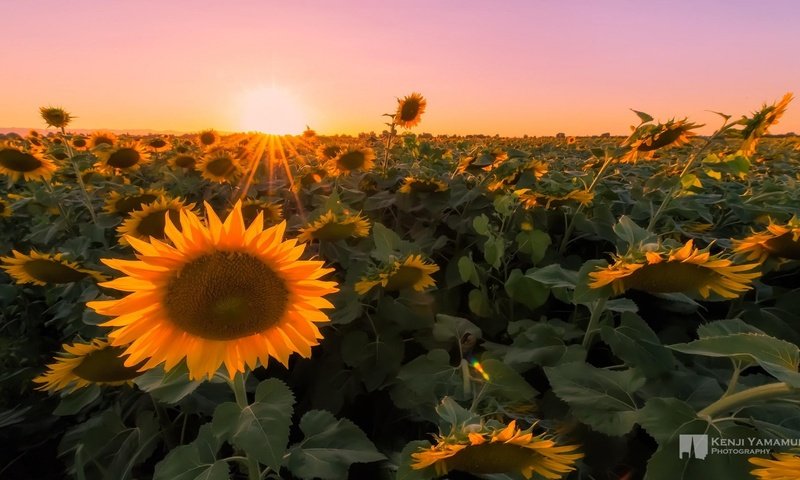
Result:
220,167
105,365
17,161
332,232
185,161
153,224
409,110
124,158
404,277
492,458
670,277
351,160
784,247
225,296
49,271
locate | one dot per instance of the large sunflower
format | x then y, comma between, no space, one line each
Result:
102,138
410,272
506,450
785,466
410,110
84,364
42,269
19,164
758,125
782,241
222,295
123,204
686,270
219,166
353,158
332,227
647,139
150,220
126,156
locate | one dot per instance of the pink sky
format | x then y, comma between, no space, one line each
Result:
507,67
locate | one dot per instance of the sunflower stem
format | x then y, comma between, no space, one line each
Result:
239,391
392,132
86,199
737,369
594,321
747,397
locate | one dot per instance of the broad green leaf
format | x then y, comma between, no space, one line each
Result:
525,290
167,387
425,380
468,272
631,233
329,448
481,224
183,463
448,328
375,360
454,415
638,345
505,382
725,327
479,303
533,243
554,276
73,402
386,241
643,116
662,417
405,472
493,251
603,399
778,357
263,427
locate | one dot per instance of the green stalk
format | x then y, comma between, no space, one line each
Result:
392,132
594,321
86,199
239,391
747,397
571,225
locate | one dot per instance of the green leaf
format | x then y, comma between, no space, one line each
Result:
183,463
329,448
167,387
405,472
375,360
73,402
493,251
602,399
454,415
778,357
662,417
554,276
226,420
479,303
263,427
449,328
505,382
724,327
631,233
481,225
425,380
468,272
533,243
386,241
525,290
634,342
643,116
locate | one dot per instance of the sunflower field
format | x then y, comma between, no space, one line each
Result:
400,305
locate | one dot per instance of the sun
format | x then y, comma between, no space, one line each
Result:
270,109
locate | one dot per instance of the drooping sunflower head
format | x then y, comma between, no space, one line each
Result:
328,152
18,163
219,165
102,138
783,466
221,294
483,450
150,220
126,156
410,110
421,184
781,241
55,116
649,138
84,364
759,124
353,158
333,226
124,203
272,212
45,269
208,138
685,269
410,271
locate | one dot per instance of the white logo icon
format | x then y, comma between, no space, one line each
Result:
694,446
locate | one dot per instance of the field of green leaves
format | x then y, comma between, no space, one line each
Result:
401,305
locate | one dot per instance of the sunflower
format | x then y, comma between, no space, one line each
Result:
331,227
686,270
311,176
273,212
150,220
183,160
123,204
20,164
126,156
785,466
410,272
571,140
328,152
782,241
758,126
42,269
353,158
102,138
223,295
646,139
208,138
410,110
55,116
157,143
79,142
84,364
422,184
506,450
530,199
219,166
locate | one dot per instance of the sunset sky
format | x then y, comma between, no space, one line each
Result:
506,67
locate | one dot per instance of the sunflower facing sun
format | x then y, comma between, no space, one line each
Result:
20,164
331,227
149,220
505,450
409,272
410,110
126,156
222,295
84,364
686,270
